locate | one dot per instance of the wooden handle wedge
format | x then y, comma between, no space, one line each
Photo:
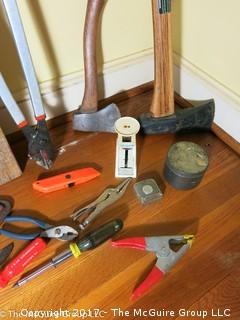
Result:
90,99
163,96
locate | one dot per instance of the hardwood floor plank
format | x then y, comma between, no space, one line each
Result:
105,277
222,299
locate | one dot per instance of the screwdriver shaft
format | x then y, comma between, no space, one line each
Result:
33,275
52,264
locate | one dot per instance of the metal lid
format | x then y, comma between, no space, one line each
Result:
187,159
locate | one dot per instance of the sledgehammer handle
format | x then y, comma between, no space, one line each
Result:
90,99
163,96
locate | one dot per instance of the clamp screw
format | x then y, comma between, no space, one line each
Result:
58,231
164,252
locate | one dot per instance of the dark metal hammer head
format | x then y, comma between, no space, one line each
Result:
199,117
100,121
5,252
40,147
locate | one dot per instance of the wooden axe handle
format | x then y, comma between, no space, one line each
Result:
90,99
163,96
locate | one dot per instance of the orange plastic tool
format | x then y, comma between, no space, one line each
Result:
65,180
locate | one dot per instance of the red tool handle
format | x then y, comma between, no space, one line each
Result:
135,243
65,180
154,276
21,261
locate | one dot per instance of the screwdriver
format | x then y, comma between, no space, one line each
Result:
88,242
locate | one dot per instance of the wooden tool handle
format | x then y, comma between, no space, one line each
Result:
163,96
90,99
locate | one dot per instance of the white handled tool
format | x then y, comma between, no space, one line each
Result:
11,104
40,147
25,57
125,166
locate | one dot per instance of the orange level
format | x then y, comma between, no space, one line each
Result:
65,180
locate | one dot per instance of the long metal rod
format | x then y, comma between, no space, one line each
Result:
53,263
10,103
24,55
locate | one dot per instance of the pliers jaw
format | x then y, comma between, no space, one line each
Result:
5,252
122,187
166,257
93,209
40,147
64,233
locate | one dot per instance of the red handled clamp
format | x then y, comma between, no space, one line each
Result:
166,257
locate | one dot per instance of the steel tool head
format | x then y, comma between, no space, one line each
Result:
5,209
39,144
162,247
93,209
199,117
64,233
122,187
100,121
110,195
40,147
5,252
166,257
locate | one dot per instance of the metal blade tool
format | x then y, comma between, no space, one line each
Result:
96,207
166,256
39,143
88,117
5,252
60,232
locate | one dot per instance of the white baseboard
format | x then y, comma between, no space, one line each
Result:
193,84
65,94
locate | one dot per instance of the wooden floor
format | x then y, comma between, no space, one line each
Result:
206,278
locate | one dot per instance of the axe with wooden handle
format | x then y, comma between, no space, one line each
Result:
88,117
163,118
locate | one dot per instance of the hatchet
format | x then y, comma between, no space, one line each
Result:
163,118
88,117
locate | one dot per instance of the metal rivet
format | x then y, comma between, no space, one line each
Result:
147,189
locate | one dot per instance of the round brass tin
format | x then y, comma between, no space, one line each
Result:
185,165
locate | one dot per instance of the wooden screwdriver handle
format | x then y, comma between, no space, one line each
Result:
90,98
163,96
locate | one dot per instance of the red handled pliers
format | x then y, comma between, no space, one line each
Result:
166,257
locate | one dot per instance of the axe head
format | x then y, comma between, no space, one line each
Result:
100,121
199,117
